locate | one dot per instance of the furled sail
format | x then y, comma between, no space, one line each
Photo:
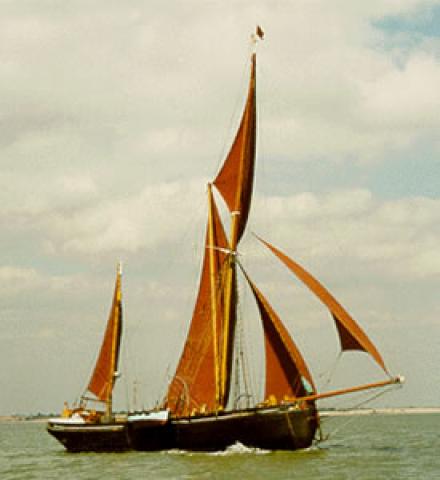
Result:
235,179
287,374
103,378
195,385
351,336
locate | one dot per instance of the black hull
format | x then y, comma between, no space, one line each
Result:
111,437
267,428
278,428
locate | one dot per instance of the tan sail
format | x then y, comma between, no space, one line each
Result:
195,415
195,383
103,377
236,177
235,183
285,366
351,336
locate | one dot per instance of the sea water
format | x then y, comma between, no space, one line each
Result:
367,447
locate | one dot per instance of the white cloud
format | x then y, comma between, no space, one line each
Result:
395,237
142,220
112,115
15,278
406,99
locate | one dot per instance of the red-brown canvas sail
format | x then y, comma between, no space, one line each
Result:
235,179
285,366
351,336
195,383
235,184
103,378
194,415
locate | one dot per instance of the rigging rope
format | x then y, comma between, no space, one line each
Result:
241,372
359,405
331,371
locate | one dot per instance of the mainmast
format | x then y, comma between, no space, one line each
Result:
235,183
203,375
213,283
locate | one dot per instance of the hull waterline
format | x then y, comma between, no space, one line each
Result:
112,437
271,429
278,428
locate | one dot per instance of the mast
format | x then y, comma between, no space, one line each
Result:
115,343
203,375
235,183
213,282
105,374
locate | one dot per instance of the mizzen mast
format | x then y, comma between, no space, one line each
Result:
105,373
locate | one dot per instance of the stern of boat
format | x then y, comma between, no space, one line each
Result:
77,435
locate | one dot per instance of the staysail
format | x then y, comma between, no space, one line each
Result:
287,373
104,375
195,384
351,335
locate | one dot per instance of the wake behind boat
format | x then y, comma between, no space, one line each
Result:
199,411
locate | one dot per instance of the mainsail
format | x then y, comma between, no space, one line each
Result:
104,375
195,383
203,376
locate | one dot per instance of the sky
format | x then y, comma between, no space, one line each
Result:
115,115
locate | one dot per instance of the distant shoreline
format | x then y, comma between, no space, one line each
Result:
323,412
380,411
22,419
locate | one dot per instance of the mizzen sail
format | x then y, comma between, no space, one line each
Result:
103,377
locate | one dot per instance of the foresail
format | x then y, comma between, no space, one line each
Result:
103,377
287,374
235,179
351,336
195,383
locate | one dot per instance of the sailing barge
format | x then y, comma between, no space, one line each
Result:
196,413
